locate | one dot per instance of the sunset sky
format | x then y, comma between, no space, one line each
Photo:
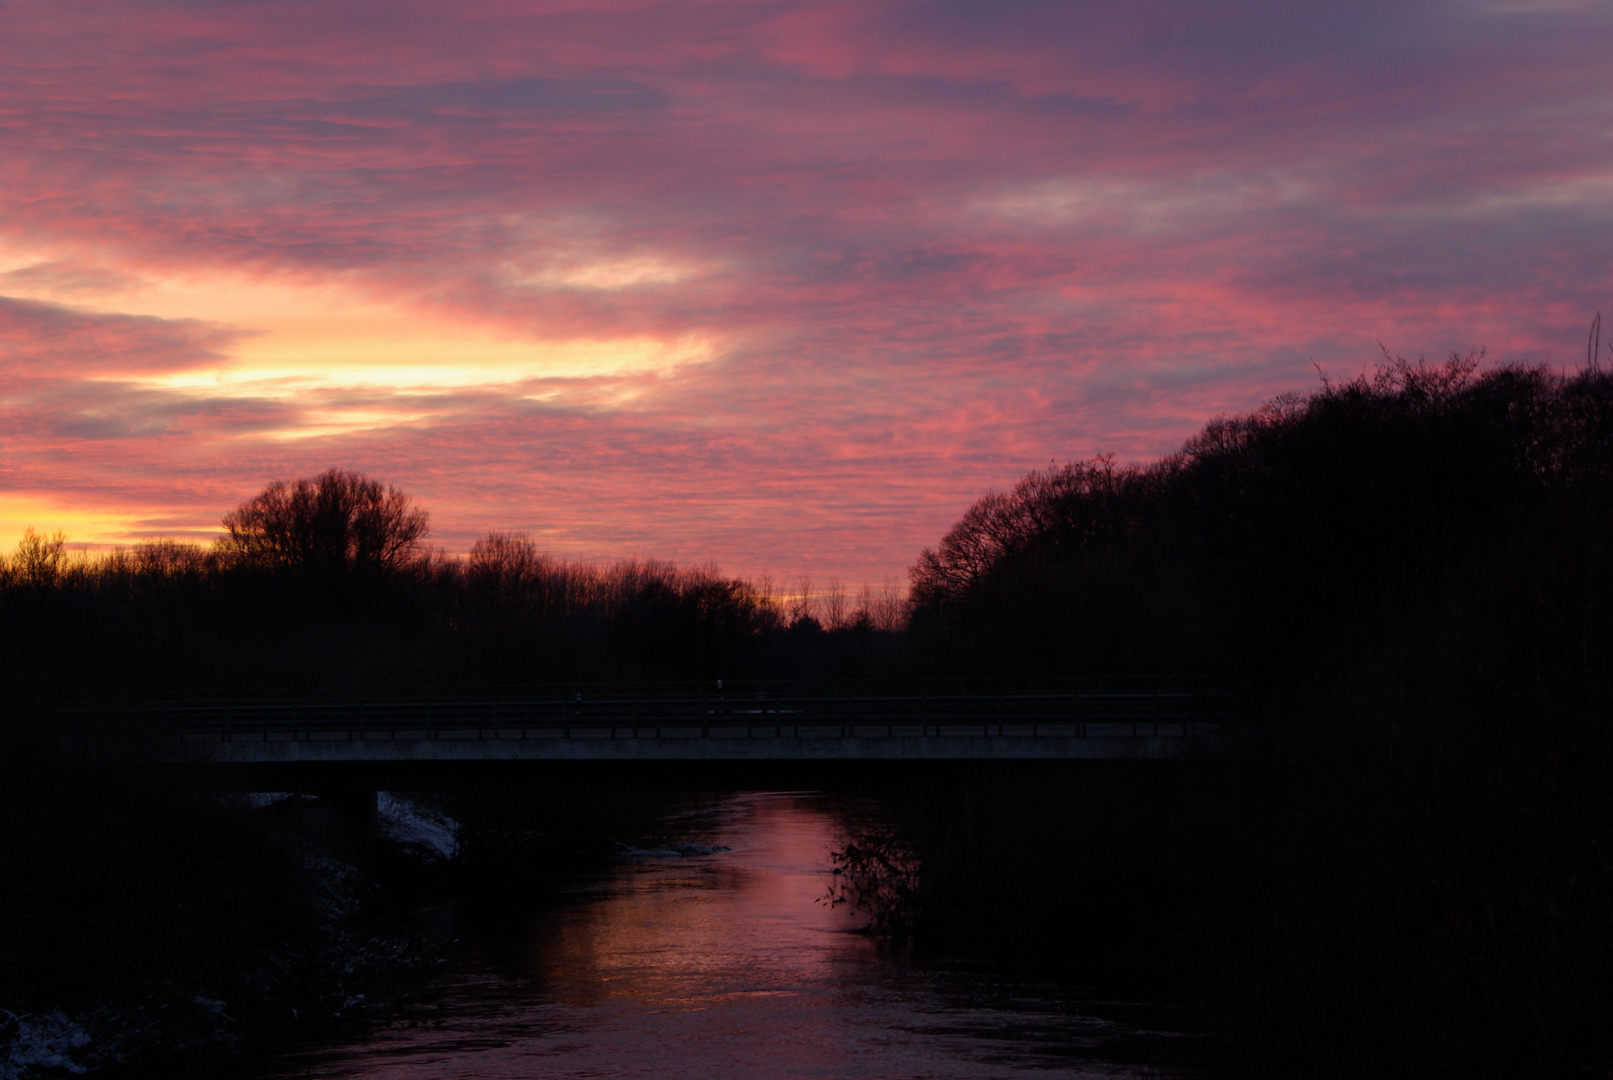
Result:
780,286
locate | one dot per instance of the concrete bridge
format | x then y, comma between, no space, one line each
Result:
605,724
348,746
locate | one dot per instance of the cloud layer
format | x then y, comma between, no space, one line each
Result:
779,285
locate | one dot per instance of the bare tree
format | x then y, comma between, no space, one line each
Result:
510,574
768,596
800,606
40,561
833,605
863,614
336,522
889,607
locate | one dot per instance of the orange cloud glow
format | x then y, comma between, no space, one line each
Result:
779,286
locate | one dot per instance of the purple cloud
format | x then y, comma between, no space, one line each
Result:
935,244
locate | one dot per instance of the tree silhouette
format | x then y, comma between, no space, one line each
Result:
40,560
336,526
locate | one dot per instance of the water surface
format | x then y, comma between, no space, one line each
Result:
729,963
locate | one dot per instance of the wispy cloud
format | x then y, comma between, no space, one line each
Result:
40,341
779,284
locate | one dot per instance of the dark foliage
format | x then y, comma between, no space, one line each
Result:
336,540
1401,868
335,524
325,583
1274,537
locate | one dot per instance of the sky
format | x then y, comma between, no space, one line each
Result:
781,287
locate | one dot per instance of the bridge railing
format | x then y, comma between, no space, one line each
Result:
1074,712
915,686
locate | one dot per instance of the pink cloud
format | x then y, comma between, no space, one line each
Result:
939,243
49,341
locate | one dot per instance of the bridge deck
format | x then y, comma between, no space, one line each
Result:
1140,724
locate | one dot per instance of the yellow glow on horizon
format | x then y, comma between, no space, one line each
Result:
20,511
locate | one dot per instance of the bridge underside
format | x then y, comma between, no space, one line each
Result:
1004,742
356,741
417,760
327,778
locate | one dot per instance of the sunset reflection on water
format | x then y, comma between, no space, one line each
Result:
706,932
724,964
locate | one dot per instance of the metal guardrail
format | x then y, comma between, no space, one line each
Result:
1052,715
738,689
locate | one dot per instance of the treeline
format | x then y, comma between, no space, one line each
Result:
1401,866
328,583
1304,532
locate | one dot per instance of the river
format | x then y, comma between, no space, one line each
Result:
721,959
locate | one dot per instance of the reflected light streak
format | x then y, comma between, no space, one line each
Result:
689,935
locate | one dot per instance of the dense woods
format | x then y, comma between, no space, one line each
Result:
328,582
1304,531
1401,865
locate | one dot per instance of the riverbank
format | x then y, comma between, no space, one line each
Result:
151,930
1397,877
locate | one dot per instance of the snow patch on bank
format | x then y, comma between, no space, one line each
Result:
51,1044
421,829
257,800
